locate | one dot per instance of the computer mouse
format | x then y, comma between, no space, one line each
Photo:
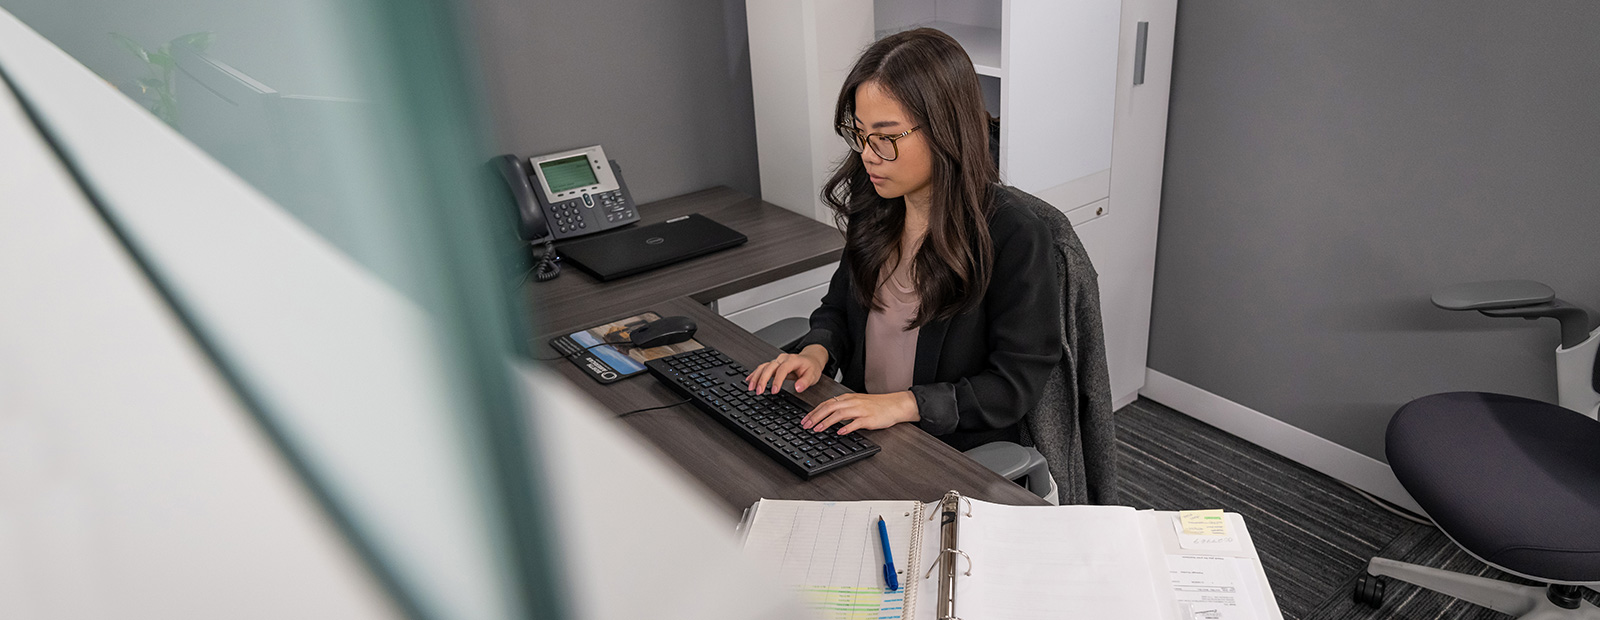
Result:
663,331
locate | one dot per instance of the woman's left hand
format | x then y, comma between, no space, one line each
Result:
869,411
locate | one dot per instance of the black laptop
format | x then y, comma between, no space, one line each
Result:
642,248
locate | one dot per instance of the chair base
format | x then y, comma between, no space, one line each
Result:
1522,602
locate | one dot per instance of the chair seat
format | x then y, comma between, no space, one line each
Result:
1513,480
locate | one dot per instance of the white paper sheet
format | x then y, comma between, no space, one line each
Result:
1213,587
830,552
1038,562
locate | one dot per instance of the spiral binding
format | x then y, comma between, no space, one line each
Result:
913,558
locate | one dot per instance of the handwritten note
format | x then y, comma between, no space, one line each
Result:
1205,530
1204,522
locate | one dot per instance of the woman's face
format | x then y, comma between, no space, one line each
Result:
911,172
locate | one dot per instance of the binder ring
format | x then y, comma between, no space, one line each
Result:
964,498
944,553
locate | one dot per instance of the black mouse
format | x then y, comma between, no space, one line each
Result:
663,331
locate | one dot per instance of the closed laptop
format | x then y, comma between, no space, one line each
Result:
642,248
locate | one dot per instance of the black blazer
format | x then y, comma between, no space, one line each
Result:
978,373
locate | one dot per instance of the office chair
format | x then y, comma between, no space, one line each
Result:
1514,482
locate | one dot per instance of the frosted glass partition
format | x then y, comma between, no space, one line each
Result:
338,267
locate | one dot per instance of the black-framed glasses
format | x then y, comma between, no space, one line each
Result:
883,144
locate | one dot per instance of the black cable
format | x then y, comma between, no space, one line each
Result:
628,413
565,356
545,268
549,265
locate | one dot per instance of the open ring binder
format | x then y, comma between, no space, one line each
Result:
1039,561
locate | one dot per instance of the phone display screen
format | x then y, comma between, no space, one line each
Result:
568,173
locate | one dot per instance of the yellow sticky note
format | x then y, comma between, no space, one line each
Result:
1203,522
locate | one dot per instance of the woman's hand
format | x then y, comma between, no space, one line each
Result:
806,367
870,411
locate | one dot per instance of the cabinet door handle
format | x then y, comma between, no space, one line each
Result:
1140,40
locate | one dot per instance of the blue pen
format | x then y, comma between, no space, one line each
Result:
888,560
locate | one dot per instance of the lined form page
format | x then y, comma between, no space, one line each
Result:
1037,562
830,552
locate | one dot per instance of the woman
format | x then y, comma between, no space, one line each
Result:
945,308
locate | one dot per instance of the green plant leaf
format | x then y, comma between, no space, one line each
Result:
200,41
151,85
163,58
133,46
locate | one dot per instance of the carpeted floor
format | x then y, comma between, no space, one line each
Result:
1314,534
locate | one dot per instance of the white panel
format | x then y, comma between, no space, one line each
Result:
132,482
351,371
779,83
800,53
843,29
1060,69
1089,212
1123,243
643,539
799,304
1078,192
773,290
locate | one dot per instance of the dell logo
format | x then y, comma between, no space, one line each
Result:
655,241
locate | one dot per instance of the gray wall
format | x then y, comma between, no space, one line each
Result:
663,86
1331,163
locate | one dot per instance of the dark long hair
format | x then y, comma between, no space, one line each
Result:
932,78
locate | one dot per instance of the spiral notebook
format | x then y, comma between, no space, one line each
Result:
965,558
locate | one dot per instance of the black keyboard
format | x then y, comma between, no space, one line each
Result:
770,421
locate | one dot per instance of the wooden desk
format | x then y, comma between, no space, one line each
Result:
912,464
781,244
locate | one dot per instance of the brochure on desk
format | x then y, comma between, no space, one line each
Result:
1012,562
609,363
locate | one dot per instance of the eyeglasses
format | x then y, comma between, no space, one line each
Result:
883,144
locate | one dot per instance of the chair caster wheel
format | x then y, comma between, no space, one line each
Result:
1369,590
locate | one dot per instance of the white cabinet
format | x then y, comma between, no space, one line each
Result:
1123,243
1074,129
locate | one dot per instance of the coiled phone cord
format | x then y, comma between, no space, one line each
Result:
549,265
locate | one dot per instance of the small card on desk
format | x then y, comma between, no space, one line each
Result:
616,360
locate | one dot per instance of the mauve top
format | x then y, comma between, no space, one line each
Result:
891,348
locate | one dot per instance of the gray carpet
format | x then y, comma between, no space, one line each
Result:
1314,534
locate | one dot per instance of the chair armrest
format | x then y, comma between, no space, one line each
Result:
785,333
1493,295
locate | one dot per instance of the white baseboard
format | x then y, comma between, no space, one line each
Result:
1336,461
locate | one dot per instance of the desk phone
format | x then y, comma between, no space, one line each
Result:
567,194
